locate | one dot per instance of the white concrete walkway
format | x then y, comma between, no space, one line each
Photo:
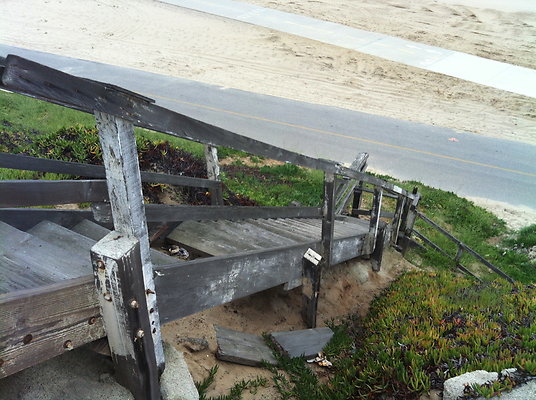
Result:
453,63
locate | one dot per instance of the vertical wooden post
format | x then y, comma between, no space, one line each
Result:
408,220
117,267
120,158
356,202
213,172
397,218
312,272
374,224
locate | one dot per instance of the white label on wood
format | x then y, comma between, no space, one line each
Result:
312,256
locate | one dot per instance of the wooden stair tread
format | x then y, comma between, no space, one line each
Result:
30,261
96,232
222,237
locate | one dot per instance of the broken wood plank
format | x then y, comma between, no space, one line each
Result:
303,343
242,348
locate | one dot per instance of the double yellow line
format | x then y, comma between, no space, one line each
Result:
329,133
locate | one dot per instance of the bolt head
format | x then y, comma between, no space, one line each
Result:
100,264
68,345
134,304
140,333
107,297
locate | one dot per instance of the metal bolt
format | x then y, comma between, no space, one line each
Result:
100,264
107,297
149,291
92,320
134,304
140,333
68,345
27,339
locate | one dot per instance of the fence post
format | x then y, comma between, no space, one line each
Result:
117,267
356,202
312,272
213,173
120,158
408,220
374,224
397,218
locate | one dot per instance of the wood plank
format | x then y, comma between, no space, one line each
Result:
119,280
25,218
167,213
41,323
120,158
226,278
303,343
41,192
272,226
35,257
61,237
242,348
96,232
266,234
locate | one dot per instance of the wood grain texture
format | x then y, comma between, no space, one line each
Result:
41,323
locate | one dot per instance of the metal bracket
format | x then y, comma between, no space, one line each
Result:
312,256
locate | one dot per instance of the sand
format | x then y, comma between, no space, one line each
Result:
165,39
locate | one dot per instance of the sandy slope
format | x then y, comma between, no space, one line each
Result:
162,38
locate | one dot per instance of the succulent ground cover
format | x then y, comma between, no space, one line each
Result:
426,328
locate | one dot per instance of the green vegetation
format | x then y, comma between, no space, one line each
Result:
427,327
235,393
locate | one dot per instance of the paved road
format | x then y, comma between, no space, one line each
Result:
465,66
473,165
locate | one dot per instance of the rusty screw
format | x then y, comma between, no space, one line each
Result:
100,264
134,304
140,333
27,339
92,320
149,291
68,345
107,296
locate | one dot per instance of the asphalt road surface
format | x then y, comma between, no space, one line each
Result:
465,163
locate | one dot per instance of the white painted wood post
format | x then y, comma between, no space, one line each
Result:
120,158
213,172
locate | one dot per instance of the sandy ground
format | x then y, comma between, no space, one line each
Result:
165,39
347,289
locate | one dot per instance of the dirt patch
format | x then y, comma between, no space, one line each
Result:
347,288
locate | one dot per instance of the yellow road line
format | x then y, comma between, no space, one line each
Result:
324,132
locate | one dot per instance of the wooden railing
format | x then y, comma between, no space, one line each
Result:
126,282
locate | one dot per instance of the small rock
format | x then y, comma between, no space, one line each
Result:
193,344
453,387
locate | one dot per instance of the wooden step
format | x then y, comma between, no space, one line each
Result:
96,232
64,238
27,261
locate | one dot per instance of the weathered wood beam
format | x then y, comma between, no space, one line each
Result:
120,159
121,293
167,213
41,323
213,173
27,163
26,193
375,214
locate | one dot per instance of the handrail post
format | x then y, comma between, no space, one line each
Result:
408,220
213,173
356,202
314,272
120,159
374,224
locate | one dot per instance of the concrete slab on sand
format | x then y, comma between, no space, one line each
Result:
84,375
